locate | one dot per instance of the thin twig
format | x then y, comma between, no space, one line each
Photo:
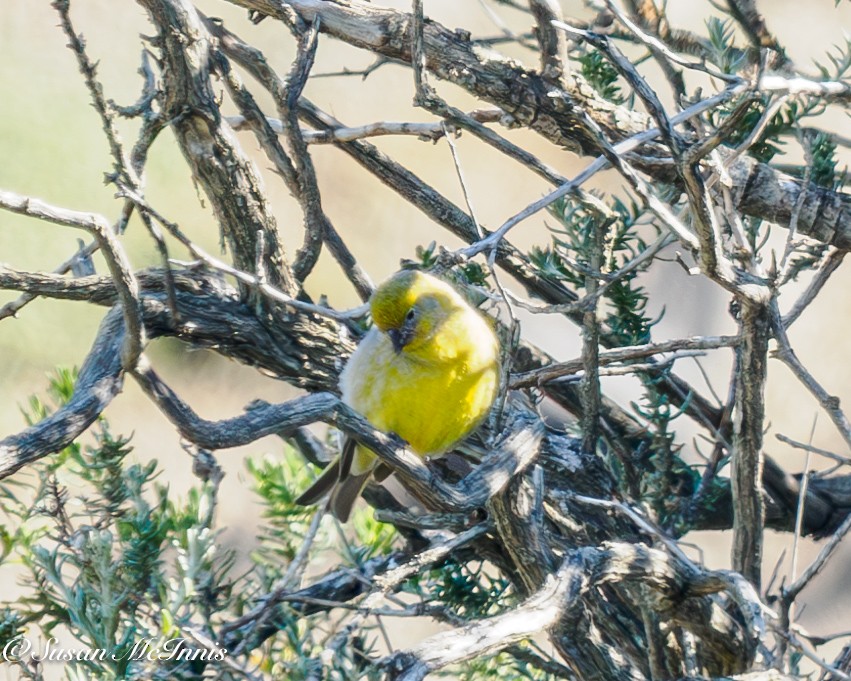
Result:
787,355
815,567
823,273
426,131
845,461
799,523
300,178
113,252
837,674
540,376
598,164
656,44
463,120
308,189
552,43
126,171
748,17
251,280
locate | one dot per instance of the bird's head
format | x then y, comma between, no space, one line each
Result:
410,308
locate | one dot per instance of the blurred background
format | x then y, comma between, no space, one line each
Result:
52,147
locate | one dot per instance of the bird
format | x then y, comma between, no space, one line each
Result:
428,371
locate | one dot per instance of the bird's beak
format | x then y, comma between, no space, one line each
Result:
397,338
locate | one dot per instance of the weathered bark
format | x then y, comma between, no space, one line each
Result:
209,145
560,520
559,114
748,507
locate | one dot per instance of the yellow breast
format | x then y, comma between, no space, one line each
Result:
431,399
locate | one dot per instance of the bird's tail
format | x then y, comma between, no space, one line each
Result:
346,493
345,486
321,485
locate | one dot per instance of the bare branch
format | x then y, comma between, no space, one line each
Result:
257,283
301,178
787,355
622,354
591,392
583,568
748,17
535,615
815,450
663,50
827,268
329,591
308,193
12,308
552,43
116,259
792,591
100,380
748,506
209,146
127,170
426,131
586,540
517,449
558,115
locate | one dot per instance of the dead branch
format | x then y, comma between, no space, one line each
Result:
100,379
581,570
209,145
116,259
558,115
575,525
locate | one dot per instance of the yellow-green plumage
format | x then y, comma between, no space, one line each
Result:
427,371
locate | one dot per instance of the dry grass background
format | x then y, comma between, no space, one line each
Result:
52,147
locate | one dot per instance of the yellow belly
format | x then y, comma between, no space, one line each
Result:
431,406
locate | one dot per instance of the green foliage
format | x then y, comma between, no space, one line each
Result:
372,537
474,273
788,120
624,309
277,482
784,123
60,390
111,559
114,561
839,62
469,591
627,319
823,150
569,257
426,256
768,144
572,250
500,666
602,76
724,53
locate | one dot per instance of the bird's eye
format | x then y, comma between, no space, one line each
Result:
410,316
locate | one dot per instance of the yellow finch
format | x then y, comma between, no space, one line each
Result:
427,371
